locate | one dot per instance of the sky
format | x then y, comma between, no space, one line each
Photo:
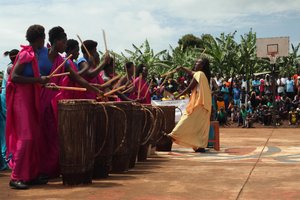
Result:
162,22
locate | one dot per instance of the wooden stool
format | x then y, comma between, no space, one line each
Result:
216,138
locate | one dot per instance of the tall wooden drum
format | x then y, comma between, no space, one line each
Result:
165,143
137,127
147,133
76,128
121,157
108,144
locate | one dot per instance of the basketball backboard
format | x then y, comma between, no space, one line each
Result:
274,46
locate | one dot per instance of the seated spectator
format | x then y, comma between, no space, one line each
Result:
220,102
157,95
293,118
250,109
254,100
230,106
222,116
234,113
277,118
249,121
267,116
243,115
171,85
298,111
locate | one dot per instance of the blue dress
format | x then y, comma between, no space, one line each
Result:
45,65
80,60
3,161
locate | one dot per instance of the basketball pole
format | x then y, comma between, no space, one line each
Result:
273,65
273,71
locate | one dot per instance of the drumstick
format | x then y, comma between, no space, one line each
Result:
62,64
129,85
109,96
127,73
174,70
115,90
128,89
148,89
54,86
117,84
87,51
95,84
61,74
168,73
139,88
134,73
72,88
163,82
112,80
104,38
113,66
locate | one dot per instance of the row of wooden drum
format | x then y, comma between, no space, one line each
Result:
100,138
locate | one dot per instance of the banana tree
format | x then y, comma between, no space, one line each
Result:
183,57
223,53
290,65
145,54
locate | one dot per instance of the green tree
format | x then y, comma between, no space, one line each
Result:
190,41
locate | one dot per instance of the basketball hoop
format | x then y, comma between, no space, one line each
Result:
272,51
273,56
272,48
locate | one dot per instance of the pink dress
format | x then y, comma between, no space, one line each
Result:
66,94
49,143
144,92
22,124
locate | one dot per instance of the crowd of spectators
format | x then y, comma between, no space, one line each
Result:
241,101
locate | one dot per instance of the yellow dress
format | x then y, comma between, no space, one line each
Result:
193,128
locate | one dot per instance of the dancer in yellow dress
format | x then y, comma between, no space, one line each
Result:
193,128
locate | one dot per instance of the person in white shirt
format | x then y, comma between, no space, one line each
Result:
280,86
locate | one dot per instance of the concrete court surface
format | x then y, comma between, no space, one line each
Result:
252,164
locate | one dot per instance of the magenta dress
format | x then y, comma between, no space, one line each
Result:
22,124
96,80
49,143
67,94
144,92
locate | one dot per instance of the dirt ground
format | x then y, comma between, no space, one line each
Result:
259,163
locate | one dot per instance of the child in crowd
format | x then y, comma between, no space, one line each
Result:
249,121
243,94
220,101
222,116
267,116
293,118
234,113
243,115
